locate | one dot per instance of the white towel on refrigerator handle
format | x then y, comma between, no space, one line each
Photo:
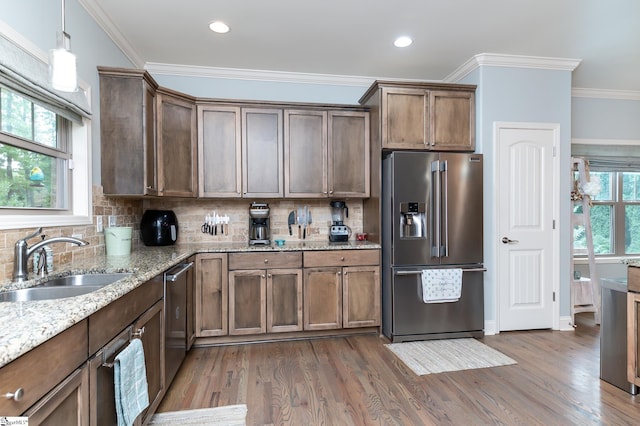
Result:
441,285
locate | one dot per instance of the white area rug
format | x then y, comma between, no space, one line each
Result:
437,356
230,415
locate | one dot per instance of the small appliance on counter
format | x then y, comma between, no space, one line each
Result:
339,232
259,224
159,228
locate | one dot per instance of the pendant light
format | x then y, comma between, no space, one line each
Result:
62,63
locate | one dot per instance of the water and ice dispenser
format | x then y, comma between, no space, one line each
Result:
412,220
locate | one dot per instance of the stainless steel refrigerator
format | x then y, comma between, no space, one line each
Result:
431,218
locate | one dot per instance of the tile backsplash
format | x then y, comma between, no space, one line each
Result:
190,213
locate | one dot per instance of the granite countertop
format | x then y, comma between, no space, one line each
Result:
25,325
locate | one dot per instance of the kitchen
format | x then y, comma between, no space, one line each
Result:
128,211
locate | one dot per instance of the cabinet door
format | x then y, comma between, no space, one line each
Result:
322,298
633,337
176,121
67,404
305,154
219,146
452,117
247,302
361,296
262,147
405,123
150,328
127,132
211,294
348,154
284,300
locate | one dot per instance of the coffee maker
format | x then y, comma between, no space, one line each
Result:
339,232
259,224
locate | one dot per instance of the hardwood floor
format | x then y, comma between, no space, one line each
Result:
357,381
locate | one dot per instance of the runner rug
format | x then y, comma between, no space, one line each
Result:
231,415
437,356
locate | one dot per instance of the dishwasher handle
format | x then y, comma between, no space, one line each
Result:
174,276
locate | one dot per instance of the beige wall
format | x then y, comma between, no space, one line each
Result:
190,215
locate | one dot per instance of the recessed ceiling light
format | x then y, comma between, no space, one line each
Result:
219,27
402,41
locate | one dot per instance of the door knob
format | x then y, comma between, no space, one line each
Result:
506,240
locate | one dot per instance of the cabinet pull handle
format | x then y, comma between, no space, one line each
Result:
138,333
16,396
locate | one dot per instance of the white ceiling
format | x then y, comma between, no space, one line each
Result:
355,37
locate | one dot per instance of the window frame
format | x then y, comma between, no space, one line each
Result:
618,206
80,192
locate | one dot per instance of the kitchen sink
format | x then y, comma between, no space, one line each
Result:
84,280
61,287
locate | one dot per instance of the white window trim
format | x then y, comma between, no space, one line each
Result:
81,193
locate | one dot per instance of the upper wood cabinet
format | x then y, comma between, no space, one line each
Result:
326,153
148,139
128,132
220,151
176,145
240,151
262,171
424,116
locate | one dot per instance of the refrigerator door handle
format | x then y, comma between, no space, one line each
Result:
445,199
435,206
409,272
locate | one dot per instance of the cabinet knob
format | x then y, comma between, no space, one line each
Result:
331,192
138,333
342,258
266,261
339,273
149,187
269,275
16,396
263,276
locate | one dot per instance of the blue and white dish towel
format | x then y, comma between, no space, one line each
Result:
130,381
441,285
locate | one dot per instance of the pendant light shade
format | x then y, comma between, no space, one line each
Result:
62,63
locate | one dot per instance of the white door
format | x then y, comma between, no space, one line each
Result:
526,248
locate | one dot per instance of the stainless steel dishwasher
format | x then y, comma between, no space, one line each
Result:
175,320
613,334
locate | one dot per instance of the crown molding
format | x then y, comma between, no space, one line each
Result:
511,61
98,15
629,95
257,75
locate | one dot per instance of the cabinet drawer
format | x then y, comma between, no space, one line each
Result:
282,259
41,369
105,324
314,259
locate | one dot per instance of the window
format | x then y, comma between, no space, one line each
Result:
615,215
34,155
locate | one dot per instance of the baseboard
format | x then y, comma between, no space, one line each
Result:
490,328
565,324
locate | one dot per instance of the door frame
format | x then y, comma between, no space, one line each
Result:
555,195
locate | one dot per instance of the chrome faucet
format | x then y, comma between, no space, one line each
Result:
22,252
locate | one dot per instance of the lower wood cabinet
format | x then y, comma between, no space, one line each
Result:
150,328
265,300
67,404
211,295
633,336
337,296
261,293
